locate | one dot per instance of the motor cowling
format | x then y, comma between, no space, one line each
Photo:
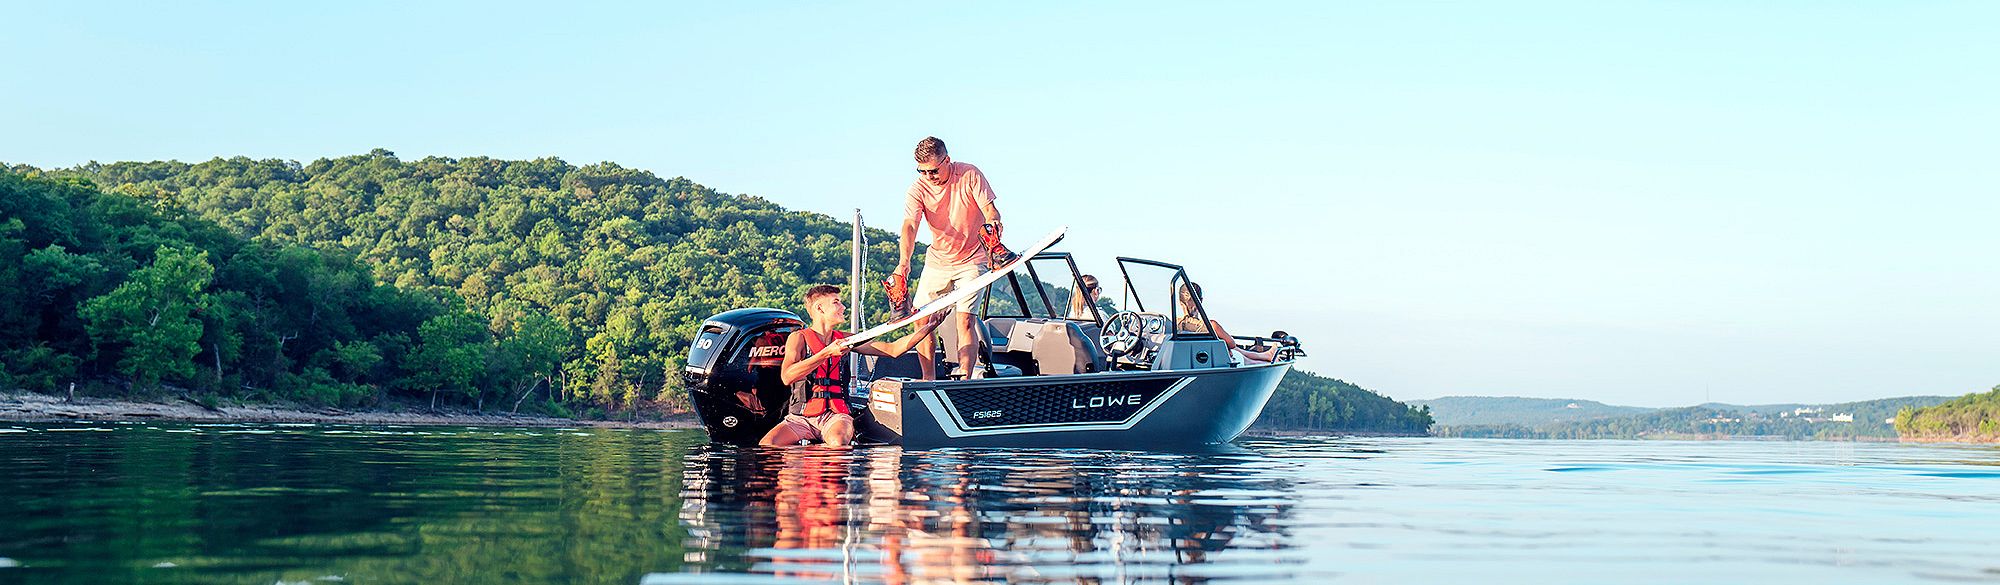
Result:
733,366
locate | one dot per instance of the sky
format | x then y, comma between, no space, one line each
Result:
1642,203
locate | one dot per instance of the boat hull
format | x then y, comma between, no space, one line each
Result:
1112,410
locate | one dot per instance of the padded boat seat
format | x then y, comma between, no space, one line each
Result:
1057,346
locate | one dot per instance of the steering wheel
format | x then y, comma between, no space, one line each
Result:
1121,334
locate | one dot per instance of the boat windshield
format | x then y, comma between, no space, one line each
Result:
1043,289
1156,287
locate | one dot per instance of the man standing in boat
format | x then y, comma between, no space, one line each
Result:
955,200
815,369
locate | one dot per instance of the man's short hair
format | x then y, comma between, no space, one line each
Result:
818,291
930,149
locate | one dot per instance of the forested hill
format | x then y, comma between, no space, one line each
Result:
474,280
472,277
1309,402
1973,418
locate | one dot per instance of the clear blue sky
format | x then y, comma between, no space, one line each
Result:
1640,203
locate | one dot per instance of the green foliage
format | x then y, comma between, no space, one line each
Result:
110,283
589,280
151,318
37,367
623,263
450,354
1309,402
1973,417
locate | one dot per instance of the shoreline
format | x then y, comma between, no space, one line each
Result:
42,408
1296,433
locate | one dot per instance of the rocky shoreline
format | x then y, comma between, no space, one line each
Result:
28,407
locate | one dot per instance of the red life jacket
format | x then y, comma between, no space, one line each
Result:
826,387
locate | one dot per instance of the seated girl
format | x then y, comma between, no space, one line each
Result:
1190,322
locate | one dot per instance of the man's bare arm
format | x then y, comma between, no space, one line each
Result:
908,245
992,213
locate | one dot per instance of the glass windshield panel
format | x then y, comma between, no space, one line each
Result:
1059,280
1004,297
1157,289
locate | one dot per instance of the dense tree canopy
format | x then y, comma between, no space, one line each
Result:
335,279
1308,402
1973,417
112,285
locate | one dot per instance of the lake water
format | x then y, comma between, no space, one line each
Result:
159,503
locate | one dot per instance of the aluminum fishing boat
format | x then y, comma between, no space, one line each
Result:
1147,373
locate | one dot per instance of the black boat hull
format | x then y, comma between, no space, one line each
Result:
1110,410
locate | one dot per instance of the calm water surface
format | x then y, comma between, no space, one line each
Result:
158,503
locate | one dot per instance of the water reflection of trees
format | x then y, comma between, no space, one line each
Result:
241,504
881,514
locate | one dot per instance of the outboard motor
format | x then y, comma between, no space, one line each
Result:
733,368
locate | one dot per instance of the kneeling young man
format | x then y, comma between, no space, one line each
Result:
818,375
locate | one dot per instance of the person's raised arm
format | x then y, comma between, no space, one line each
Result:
913,211
901,346
907,246
798,365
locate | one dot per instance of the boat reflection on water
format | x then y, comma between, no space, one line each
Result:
977,515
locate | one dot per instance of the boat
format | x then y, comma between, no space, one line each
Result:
1130,379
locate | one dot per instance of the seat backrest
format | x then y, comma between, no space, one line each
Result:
1061,347
1057,346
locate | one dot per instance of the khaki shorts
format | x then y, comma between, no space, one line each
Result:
813,428
937,281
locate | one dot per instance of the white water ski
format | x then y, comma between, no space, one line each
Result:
977,286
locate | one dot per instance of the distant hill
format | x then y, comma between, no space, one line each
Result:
1514,410
1868,419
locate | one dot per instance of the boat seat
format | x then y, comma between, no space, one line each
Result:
1057,346
1038,346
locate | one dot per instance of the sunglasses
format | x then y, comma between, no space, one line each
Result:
930,172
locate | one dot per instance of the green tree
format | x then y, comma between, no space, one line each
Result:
152,319
528,349
449,356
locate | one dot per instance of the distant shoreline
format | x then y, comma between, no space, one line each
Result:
18,406
1296,433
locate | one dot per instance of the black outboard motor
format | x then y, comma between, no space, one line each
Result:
733,367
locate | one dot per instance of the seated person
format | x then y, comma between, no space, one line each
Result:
1091,295
1190,322
818,375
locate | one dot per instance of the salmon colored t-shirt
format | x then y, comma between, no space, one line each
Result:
953,212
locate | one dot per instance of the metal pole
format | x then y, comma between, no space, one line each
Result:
857,292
